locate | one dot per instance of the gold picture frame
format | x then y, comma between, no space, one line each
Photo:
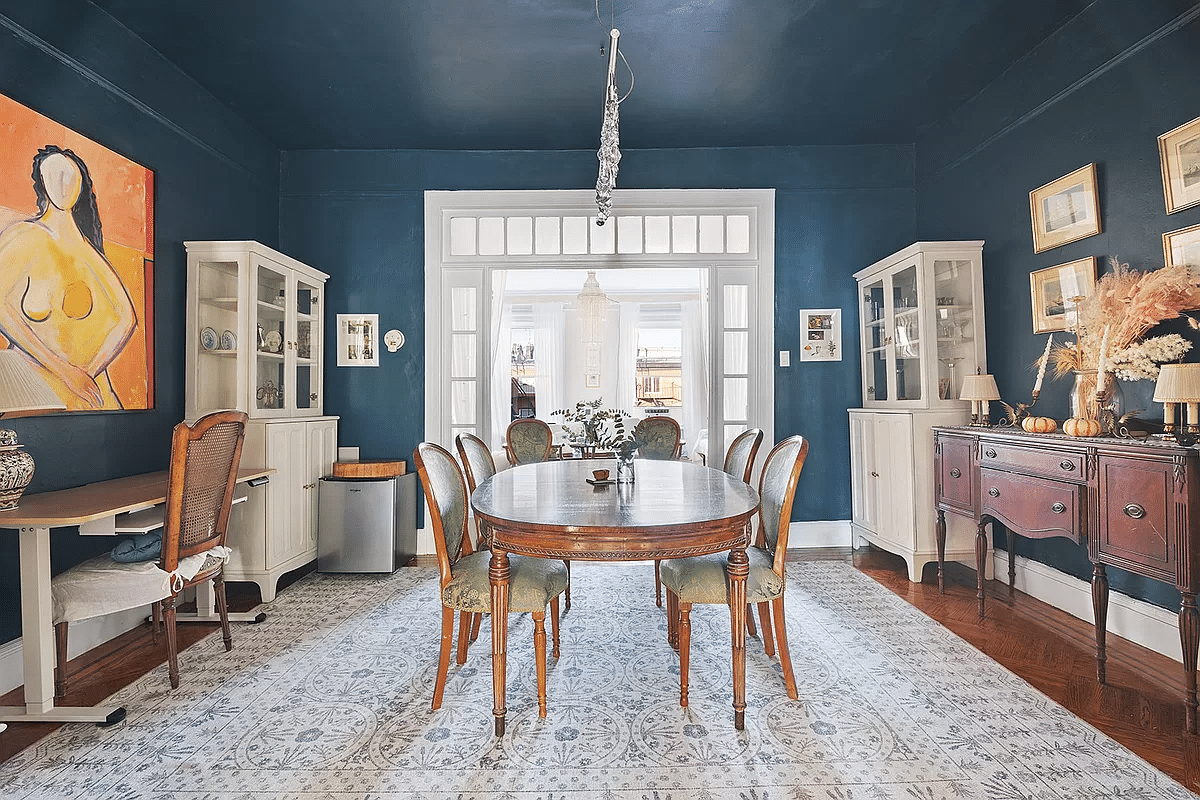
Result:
1179,153
1065,210
1183,247
1054,291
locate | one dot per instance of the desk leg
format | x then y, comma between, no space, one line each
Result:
939,531
37,642
1100,610
498,574
980,559
1189,638
739,568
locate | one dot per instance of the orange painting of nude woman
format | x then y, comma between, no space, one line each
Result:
76,260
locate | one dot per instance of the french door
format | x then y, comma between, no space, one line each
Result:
469,235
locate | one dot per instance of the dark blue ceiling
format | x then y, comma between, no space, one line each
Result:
528,74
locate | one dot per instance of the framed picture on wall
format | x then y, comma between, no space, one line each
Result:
1065,210
1179,152
1055,291
821,334
358,340
1183,247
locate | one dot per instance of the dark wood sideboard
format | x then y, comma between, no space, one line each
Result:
1129,500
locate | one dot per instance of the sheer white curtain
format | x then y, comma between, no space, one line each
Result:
501,394
629,315
549,335
695,361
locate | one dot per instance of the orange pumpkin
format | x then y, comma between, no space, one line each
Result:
1080,426
1039,425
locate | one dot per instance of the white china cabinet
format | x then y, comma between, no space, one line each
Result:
255,335
921,331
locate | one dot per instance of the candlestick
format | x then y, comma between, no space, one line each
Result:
1100,366
1037,387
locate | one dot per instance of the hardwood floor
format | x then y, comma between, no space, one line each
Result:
1141,706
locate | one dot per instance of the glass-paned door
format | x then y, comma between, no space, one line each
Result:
735,330
307,357
875,340
463,310
906,333
954,318
269,370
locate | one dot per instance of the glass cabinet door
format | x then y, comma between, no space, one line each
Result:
269,371
307,356
954,319
906,334
875,344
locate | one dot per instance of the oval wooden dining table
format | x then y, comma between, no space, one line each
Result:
673,509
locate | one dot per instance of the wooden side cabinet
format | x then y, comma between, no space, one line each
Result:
1130,501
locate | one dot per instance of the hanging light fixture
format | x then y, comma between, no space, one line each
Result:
610,134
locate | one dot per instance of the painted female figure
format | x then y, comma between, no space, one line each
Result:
61,302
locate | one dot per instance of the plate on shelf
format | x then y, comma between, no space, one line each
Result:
228,341
595,482
208,339
273,341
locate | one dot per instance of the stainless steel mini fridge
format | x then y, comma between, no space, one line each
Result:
366,524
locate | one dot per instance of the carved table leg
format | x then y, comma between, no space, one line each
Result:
939,530
739,568
1189,638
1012,563
1100,610
980,559
498,574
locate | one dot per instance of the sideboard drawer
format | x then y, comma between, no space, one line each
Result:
955,477
1062,464
1032,506
1137,522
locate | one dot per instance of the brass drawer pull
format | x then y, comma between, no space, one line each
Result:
990,453
955,473
1069,466
994,492
1134,511
1058,508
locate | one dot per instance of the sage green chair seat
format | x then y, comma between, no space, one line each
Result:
528,441
703,579
465,587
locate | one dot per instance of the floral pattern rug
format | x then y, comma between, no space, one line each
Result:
329,698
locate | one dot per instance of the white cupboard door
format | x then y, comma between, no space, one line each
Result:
288,447
894,457
322,452
864,494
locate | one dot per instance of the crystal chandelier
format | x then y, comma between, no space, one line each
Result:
610,134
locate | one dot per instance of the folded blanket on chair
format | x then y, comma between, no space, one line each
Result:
143,547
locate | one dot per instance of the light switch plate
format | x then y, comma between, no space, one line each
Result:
785,358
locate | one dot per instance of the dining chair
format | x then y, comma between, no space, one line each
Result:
529,440
465,585
660,438
200,482
739,462
702,579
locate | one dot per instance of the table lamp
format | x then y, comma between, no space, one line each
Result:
979,389
1179,383
21,389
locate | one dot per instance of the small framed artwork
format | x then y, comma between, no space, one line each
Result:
1055,291
821,334
1183,247
357,340
1065,210
1179,152
592,381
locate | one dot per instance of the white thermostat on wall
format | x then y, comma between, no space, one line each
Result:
394,340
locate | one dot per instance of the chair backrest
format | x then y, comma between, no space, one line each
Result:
777,489
660,438
529,441
739,461
477,459
200,481
446,496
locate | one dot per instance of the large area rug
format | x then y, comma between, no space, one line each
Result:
329,698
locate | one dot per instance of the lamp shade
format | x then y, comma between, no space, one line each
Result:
979,387
21,389
1178,383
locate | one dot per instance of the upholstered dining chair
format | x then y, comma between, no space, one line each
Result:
739,462
529,440
476,457
465,586
200,483
702,579
660,438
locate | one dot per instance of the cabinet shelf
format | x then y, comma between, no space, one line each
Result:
226,303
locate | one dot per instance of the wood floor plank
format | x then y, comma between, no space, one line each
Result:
1141,707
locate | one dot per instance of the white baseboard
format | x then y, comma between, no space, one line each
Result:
834,533
81,637
1142,623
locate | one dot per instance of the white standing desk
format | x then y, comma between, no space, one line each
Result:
95,508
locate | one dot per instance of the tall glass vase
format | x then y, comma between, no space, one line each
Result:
625,468
1084,401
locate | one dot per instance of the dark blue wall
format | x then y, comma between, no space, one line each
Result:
215,178
359,216
1101,91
